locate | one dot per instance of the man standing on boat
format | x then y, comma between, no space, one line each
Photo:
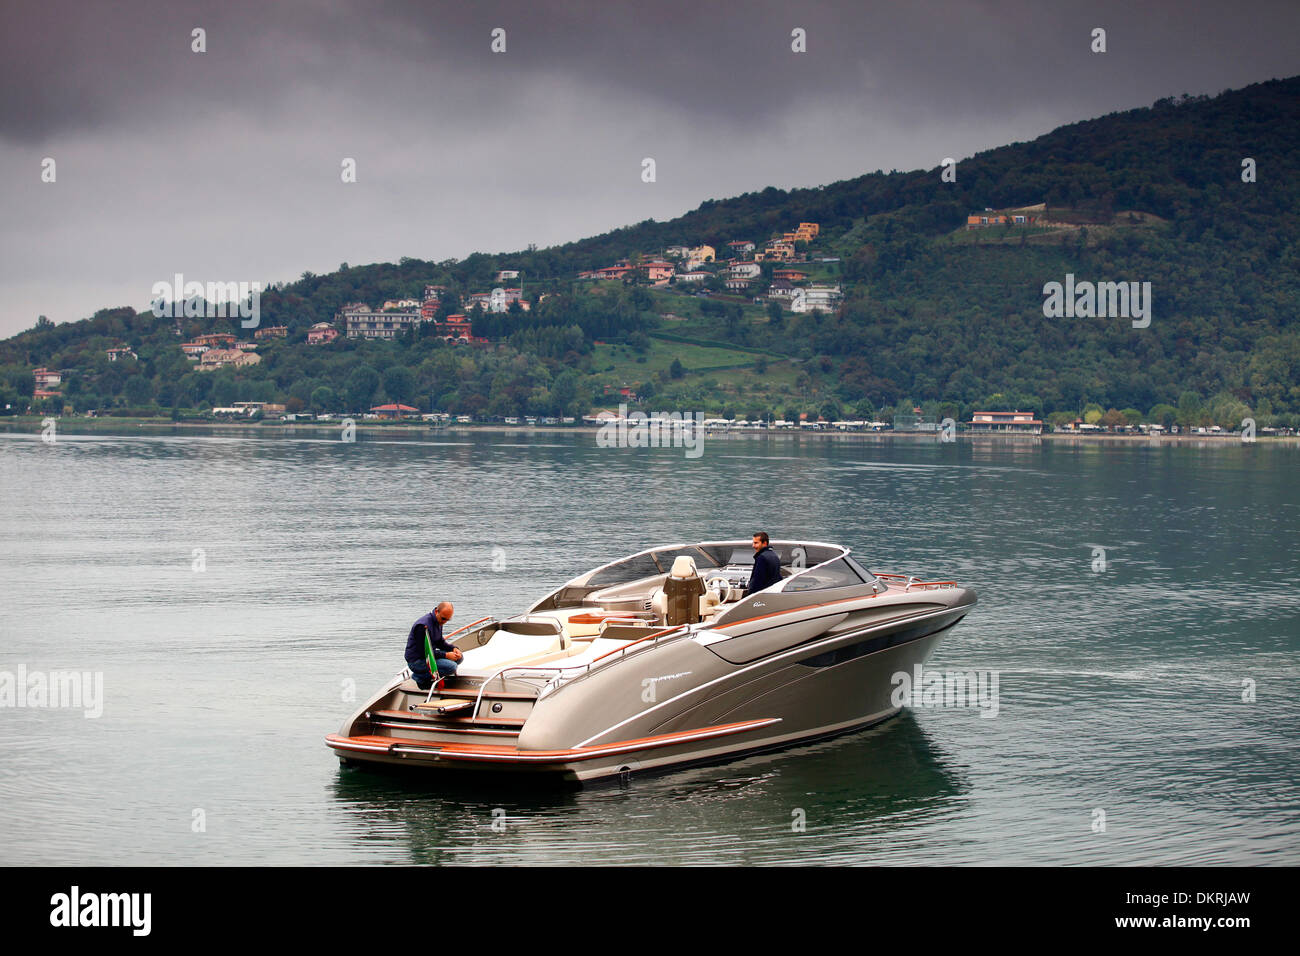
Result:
426,639
767,565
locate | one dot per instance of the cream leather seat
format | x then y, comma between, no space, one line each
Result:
679,601
508,648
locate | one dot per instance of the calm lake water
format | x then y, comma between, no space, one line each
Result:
232,589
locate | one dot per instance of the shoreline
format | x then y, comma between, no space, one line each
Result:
25,424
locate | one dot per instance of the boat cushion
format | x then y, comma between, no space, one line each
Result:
506,649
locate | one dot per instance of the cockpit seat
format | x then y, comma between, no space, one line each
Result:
682,591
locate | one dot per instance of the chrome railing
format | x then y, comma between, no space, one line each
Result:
437,681
910,582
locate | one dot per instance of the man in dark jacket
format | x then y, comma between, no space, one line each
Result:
767,565
446,654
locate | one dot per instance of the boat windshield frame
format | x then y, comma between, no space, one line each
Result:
802,580
709,556
715,555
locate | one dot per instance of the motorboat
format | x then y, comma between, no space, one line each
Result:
660,659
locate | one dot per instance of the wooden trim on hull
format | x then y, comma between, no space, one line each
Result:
662,761
464,731
545,759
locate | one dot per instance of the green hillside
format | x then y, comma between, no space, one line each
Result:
932,313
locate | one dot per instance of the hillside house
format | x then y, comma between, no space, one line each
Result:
781,289
47,378
824,297
362,323
219,358
321,333
658,271
216,340
990,217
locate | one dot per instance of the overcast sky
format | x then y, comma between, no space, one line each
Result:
226,165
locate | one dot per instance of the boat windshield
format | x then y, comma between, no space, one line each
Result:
862,572
794,556
650,564
844,573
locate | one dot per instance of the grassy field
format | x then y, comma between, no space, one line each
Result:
620,361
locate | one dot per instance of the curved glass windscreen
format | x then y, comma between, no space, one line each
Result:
837,574
792,555
861,571
707,556
648,565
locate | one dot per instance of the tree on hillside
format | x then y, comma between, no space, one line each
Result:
399,384
323,400
775,316
1189,409
359,390
1163,415
139,391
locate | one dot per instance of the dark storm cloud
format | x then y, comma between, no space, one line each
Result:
72,65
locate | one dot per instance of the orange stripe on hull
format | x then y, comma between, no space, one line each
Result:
496,753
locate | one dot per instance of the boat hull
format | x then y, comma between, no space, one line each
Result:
683,702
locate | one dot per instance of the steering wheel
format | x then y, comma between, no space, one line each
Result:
719,584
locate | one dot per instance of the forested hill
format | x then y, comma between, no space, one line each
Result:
1197,196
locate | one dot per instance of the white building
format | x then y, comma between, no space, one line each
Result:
824,297
499,299
781,289
364,323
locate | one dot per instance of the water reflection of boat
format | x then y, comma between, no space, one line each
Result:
857,799
659,659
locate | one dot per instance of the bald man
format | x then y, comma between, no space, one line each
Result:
447,655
